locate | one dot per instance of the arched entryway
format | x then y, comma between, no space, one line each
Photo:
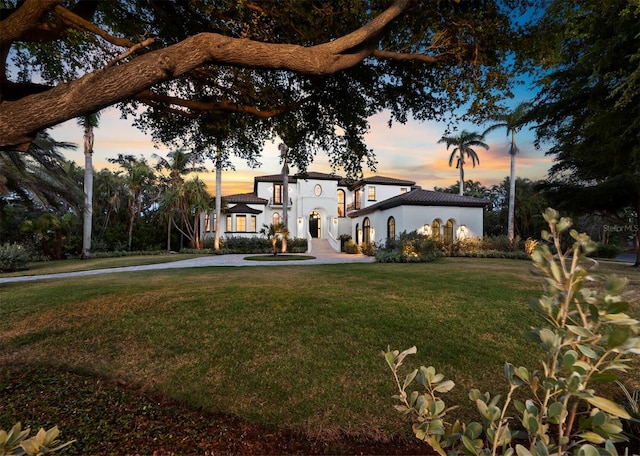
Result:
314,224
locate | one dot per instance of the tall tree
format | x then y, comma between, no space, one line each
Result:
336,63
139,176
463,145
588,108
88,123
177,164
512,121
39,177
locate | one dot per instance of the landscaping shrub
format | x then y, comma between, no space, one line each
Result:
410,248
587,338
253,244
493,247
13,257
368,249
351,247
344,238
297,245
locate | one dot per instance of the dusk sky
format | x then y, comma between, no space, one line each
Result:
409,151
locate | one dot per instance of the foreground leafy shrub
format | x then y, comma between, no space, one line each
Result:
15,442
587,338
13,257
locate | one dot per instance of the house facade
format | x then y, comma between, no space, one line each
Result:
326,206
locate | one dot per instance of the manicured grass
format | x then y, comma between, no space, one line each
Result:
54,267
296,347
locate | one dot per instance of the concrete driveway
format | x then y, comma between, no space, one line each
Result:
206,261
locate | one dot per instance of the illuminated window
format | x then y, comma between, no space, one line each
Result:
341,211
435,228
275,219
357,199
448,232
215,221
366,231
253,224
403,190
241,223
372,193
229,224
207,221
277,194
391,228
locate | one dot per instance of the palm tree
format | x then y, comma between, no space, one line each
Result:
285,192
512,122
179,164
88,123
273,231
189,200
39,176
463,144
139,176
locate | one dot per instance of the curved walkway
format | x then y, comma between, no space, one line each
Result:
205,261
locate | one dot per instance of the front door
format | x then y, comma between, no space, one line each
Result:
314,224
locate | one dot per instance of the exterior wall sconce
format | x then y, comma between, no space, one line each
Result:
299,220
335,221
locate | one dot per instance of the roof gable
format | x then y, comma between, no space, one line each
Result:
420,197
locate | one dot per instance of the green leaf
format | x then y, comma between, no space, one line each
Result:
470,445
444,387
617,307
617,337
523,373
587,351
409,378
593,438
555,410
608,406
522,451
473,430
580,331
569,358
604,377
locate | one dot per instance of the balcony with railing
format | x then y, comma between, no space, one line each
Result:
277,202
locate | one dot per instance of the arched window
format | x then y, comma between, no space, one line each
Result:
366,231
276,218
435,229
341,211
391,228
448,232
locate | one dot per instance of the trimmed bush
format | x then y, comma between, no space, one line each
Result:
410,248
13,257
351,247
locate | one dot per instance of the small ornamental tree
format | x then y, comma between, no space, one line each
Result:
587,339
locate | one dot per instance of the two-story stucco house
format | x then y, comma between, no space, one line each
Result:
325,206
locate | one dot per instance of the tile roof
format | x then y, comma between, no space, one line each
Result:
419,197
242,209
378,180
246,198
273,178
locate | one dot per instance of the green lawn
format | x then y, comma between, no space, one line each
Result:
287,346
55,267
